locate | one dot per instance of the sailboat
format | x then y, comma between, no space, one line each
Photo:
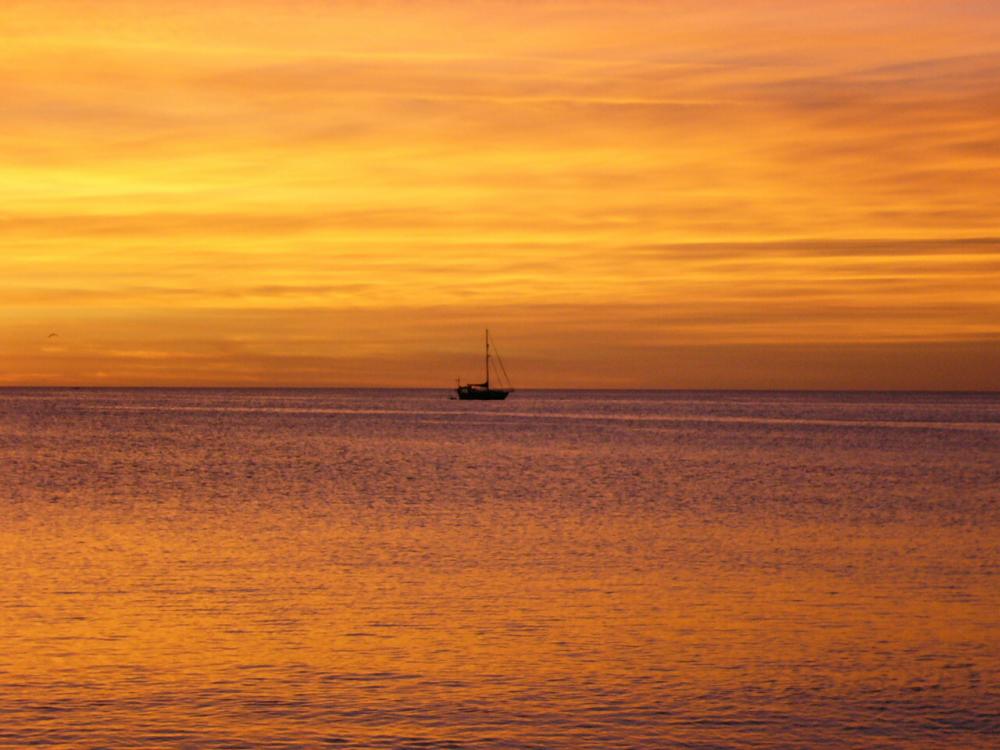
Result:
484,391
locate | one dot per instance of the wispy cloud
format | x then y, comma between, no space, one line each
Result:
604,180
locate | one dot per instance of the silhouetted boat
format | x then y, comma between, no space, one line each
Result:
484,391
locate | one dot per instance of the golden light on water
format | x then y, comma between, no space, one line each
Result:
296,568
668,194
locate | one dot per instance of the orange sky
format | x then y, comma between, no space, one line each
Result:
630,194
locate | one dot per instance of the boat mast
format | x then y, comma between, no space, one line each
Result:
487,359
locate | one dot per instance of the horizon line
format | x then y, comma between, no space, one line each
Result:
9,387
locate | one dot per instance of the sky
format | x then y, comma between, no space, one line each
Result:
675,194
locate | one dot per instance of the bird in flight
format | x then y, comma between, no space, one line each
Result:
53,335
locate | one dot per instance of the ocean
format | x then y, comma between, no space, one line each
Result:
394,569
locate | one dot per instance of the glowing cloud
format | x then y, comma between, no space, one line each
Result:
659,194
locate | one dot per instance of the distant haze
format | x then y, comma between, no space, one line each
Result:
756,194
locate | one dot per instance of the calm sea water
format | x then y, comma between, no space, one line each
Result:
228,569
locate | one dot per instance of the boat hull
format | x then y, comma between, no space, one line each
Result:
481,394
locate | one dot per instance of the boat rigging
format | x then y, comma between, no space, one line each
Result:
484,391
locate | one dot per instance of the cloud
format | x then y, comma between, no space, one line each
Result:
619,178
